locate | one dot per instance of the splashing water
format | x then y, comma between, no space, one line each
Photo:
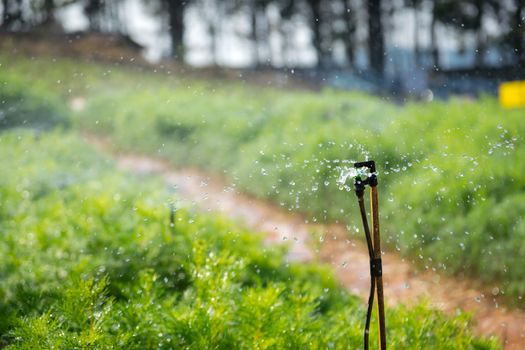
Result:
352,173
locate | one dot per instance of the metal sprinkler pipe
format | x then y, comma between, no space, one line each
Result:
374,249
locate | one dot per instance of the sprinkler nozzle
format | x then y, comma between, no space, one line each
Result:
372,177
363,173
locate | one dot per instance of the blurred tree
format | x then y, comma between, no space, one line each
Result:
93,10
171,13
415,5
315,26
477,27
518,31
49,12
338,29
104,16
175,10
466,16
259,24
333,24
12,14
376,44
41,13
212,13
259,27
21,15
350,29
321,19
434,49
287,10
253,9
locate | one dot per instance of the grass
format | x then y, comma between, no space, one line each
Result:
450,172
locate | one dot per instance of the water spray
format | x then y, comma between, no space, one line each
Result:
363,174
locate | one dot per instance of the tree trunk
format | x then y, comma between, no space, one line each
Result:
480,40
5,14
254,35
519,30
113,17
433,42
376,46
93,10
263,36
315,7
417,51
12,13
212,32
286,43
49,8
350,30
176,28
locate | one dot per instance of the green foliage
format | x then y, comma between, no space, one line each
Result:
88,261
23,105
450,172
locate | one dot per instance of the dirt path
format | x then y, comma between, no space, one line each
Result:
349,258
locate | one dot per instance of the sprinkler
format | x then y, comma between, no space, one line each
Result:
363,174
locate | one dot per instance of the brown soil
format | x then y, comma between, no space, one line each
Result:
349,258
97,47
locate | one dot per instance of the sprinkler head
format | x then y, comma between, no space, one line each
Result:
372,175
363,173
370,164
366,175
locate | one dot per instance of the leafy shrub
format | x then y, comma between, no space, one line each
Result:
23,106
453,175
450,172
92,263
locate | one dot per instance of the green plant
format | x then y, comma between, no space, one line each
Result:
450,172
23,105
88,261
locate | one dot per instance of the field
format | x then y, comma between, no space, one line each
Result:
90,260
451,172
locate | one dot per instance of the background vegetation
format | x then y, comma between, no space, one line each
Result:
340,32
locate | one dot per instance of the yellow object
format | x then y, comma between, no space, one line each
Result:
512,94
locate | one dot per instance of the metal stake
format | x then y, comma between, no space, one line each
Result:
379,278
374,250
